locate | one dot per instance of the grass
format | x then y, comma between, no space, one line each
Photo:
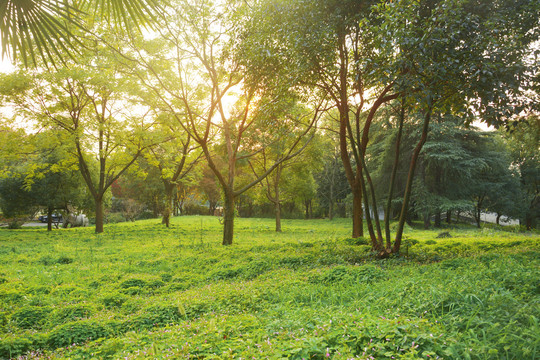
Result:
141,291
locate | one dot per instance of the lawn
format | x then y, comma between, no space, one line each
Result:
141,291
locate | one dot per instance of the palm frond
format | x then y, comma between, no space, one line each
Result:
32,28
45,29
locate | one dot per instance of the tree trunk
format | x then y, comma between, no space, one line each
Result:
438,219
388,208
277,210
497,220
99,214
448,216
228,218
358,213
408,186
477,215
427,222
49,218
168,204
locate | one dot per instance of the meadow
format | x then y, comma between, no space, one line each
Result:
142,291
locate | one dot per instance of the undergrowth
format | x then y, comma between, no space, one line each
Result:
141,291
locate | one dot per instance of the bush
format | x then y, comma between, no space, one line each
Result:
76,333
145,215
366,274
153,316
30,317
114,218
357,241
50,260
15,346
113,300
71,313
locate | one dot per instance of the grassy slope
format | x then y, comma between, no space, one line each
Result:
143,291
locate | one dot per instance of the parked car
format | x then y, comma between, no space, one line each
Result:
56,218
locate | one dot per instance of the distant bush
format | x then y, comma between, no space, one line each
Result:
50,260
114,218
145,215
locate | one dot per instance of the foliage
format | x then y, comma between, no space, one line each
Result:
141,290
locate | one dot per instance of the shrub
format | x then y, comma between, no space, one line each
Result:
71,313
225,274
50,260
357,241
130,283
153,316
63,259
255,268
113,300
30,317
14,346
114,218
76,333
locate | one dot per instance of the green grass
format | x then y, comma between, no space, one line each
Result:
141,291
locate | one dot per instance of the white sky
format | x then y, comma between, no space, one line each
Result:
6,65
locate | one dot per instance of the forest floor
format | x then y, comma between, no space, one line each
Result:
142,291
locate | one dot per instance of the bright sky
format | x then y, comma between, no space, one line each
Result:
6,66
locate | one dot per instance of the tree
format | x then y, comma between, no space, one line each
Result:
191,70
38,174
89,103
523,140
437,57
174,158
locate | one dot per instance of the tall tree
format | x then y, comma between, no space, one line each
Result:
523,141
90,103
191,70
438,56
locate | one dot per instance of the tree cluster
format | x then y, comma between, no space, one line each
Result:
348,107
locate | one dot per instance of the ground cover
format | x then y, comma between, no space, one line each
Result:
141,291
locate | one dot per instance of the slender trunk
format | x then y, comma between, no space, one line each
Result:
477,216
497,220
427,222
393,177
373,237
438,219
306,203
277,210
373,201
168,204
99,214
49,218
528,222
358,213
331,203
448,216
408,187
228,218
